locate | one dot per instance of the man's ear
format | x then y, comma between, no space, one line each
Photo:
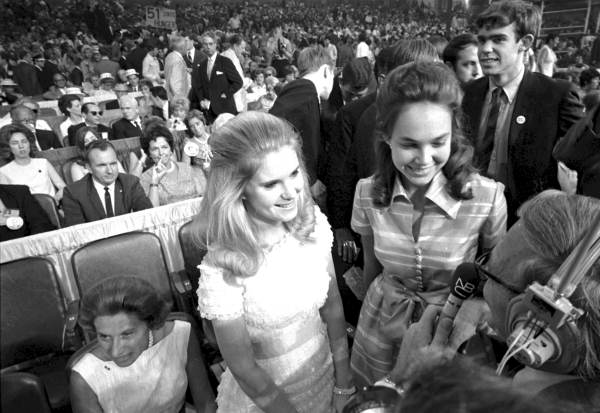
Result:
526,42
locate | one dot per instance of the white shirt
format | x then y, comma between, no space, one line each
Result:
64,127
211,64
151,69
100,190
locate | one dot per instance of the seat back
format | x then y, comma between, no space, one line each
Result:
32,311
49,206
133,253
192,254
23,392
65,141
66,170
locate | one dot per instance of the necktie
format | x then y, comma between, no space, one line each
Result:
209,67
108,203
486,145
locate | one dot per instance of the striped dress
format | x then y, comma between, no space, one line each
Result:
416,272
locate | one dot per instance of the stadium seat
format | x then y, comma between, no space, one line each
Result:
23,392
48,204
66,171
39,332
133,253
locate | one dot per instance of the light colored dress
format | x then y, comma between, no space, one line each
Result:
416,272
185,182
34,175
280,305
155,383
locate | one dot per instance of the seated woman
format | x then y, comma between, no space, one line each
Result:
179,110
141,362
83,137
36,173
258,87
196,149
168,181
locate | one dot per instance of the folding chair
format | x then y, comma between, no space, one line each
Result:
23,392
39,332
49,206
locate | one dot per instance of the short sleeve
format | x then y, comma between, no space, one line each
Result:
495,225
218,297
362,203
322,231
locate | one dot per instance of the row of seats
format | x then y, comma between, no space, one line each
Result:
39,329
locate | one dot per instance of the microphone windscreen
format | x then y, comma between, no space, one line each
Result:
464,280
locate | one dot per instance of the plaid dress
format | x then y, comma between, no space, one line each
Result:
416,273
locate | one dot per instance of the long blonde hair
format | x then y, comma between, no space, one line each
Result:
223,226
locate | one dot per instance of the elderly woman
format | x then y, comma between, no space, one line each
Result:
168,181
83,137
141,362
36,173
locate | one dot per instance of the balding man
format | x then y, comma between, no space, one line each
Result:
177,76
130,125
45,139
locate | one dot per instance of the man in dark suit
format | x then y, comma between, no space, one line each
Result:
193,57
104,192
135,58
45,139
26,75
515,117
130,125
214,82
91,118
20,214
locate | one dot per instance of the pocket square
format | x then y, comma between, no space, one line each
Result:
219,73
223,96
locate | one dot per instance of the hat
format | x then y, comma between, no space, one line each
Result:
121,87
106,76
131,72
7,82
73,91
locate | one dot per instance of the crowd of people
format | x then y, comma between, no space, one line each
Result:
349,160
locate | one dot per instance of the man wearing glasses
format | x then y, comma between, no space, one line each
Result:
44,139
91,117
58,88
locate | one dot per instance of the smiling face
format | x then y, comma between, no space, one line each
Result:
19,145
467,66
122,337
273,194
420,142
500,52
160,151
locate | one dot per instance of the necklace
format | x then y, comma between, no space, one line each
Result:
150,338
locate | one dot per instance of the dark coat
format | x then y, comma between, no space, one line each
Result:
35,219
81,202
26,76
224,82
125,129
298,103
47,139
135,59
546,109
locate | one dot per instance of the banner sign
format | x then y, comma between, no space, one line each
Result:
161,18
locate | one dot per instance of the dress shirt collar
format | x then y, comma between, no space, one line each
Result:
136,122
436,193
100,190
512,87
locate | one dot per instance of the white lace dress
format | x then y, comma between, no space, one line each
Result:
280,305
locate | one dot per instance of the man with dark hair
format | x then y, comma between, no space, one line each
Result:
104,192
235,53
26,75
461,56
214,82
91,117
515,117
300,103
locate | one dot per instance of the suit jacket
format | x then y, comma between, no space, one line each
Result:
135,59
35,219
26,76
240,96
298,103
125,129
74,128
219,89
47,139
176,75
46,75
81,202
544,110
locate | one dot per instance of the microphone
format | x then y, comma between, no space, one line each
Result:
465,280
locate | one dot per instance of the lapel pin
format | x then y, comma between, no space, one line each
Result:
521,119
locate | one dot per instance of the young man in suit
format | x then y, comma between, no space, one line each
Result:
214,82
26,75
104,192
130,125
91,117
515,117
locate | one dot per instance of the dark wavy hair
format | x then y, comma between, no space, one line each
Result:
413,83
8,131
123,294
154,132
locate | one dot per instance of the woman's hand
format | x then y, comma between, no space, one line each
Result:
158,173
346,246
567,179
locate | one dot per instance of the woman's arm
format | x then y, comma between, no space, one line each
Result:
83,398
136,166
204,398
372,268
333,315
57,181
236,349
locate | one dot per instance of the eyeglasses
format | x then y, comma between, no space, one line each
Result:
484,274
94,113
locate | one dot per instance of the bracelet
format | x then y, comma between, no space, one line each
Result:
344,392
387,382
